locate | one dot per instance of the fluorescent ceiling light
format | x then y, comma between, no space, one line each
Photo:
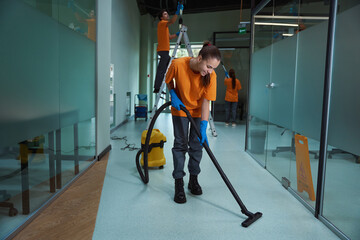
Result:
225,49
291,17
277,24
288,34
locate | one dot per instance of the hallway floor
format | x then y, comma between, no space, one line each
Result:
129,209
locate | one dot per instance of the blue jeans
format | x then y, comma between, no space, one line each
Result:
186,143
230,106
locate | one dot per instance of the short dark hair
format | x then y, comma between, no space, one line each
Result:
161,13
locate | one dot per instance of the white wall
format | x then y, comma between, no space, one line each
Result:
125,53
103,75
146,55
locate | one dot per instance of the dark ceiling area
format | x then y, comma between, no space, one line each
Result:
153,7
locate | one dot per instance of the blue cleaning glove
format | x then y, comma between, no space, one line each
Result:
175,101
203,126
177,34
227,74
179,7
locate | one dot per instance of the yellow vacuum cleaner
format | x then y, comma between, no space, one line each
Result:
156,156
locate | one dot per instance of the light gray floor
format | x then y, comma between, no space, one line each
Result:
129,209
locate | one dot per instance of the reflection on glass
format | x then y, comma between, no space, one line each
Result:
47,116
89,19
263,33
257,139
289,34
341,192
75,14
286,19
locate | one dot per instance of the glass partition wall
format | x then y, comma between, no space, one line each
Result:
287,121
47,121
341,192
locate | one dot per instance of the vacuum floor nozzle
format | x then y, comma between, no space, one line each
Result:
251,219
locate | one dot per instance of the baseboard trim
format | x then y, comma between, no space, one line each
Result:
104,152
121,124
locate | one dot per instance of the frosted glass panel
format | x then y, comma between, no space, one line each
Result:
29,84
344,125
46,69
260,77
47,104
282,75
341,193
310,80
77,77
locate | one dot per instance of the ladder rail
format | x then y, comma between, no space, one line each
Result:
182,34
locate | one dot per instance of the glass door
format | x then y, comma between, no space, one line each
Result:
258,118
286,86
281,148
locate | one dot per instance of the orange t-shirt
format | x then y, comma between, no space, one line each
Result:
163,36
91,29
232,93
188,86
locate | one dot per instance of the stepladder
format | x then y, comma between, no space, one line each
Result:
182,36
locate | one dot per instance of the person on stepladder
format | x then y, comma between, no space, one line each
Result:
163,47
233,85
90,20
194,88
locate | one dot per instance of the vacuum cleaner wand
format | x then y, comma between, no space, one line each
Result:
252,217
226,73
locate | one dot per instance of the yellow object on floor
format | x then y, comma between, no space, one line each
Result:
156,157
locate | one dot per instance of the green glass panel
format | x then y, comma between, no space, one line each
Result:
29,83
341,193
310,80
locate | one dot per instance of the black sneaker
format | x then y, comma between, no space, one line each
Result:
194,186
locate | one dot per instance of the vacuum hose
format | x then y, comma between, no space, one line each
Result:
252,217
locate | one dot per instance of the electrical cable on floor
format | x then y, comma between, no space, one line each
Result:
130,146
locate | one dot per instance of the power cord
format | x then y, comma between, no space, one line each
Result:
130,146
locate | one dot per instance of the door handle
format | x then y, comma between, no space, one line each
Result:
272,85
